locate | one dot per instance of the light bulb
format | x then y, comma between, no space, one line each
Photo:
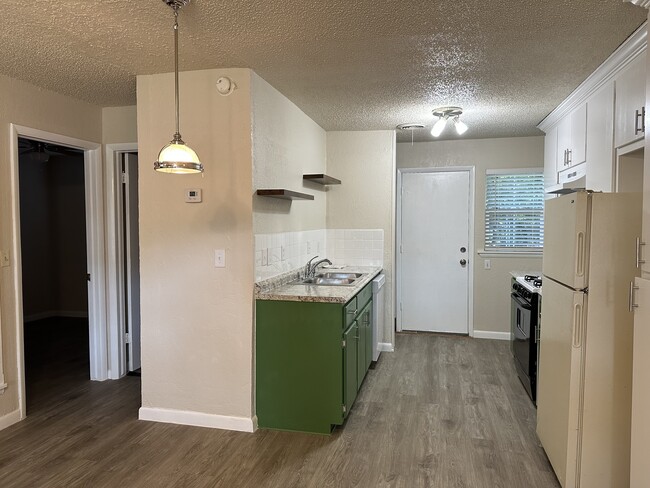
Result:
461,127
439,126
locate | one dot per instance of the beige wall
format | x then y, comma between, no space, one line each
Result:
365,163
286,145
119,124
197,320
491,287
26,105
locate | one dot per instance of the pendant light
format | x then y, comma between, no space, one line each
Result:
444,114
177,157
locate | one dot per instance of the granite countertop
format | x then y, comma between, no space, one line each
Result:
282,287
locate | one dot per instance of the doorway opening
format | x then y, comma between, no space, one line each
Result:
54,269
435,215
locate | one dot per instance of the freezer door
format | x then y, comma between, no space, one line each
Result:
560,378
566,239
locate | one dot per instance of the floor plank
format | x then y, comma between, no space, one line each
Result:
442,411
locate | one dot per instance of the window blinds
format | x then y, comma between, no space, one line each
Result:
514,211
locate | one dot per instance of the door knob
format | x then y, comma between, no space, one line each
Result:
463,262
462,249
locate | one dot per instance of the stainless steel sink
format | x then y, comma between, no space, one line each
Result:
318,280
349,276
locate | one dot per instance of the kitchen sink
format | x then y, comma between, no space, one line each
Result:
319,280
349,276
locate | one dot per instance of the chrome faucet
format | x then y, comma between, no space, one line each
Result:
310,269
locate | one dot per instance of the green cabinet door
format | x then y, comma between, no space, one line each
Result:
361,352
350,363
366,318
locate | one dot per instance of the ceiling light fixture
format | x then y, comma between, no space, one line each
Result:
177,157
444,114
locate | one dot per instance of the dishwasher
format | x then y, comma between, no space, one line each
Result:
378,293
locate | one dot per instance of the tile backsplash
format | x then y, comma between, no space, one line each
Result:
282,252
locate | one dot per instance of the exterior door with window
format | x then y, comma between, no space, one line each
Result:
434,247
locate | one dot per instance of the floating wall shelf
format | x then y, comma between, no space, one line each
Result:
284,194
322,179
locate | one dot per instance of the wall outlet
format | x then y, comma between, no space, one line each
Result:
487,264
219,258
4,259
265,256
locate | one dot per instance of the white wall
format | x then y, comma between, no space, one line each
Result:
491,287
197,320
365,163
286,145
27,105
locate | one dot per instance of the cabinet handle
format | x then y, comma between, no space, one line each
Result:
570,153
352,312
565,156
639,261
639,115
631,304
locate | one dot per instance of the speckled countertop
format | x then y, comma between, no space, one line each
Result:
283,287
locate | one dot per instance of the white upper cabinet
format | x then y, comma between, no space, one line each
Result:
572,138
630,102
600,143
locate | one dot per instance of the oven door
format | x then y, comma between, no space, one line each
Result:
521,328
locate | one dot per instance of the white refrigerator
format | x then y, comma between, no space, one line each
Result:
585,358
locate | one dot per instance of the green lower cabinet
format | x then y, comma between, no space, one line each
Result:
310,361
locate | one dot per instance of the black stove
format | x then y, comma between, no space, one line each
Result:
526,305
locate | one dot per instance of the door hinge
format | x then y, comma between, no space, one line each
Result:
127,338
124,177
87,276
343,344
343,408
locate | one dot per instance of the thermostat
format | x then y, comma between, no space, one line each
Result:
193,195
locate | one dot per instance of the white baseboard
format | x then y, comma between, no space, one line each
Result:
488,334
386,347
56,313
198,419
10,419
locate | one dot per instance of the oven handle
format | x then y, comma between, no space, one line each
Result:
521,303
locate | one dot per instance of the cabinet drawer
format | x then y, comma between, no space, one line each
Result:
350,312
364,296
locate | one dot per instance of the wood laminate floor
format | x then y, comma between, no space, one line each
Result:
441,411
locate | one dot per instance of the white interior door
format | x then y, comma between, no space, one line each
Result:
132,259
434,250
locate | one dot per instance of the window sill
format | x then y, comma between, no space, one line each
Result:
509,254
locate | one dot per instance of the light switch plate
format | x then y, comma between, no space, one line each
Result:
487,264
219,258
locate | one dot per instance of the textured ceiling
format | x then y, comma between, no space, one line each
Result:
362,65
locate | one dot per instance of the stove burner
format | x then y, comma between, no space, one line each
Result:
537,283
532,278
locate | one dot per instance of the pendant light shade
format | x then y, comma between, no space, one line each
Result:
177,157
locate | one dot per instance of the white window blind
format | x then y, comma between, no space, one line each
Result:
514,210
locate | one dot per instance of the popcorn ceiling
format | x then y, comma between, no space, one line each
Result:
360,65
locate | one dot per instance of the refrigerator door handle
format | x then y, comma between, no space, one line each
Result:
577,325
631,304
639,261
580,254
